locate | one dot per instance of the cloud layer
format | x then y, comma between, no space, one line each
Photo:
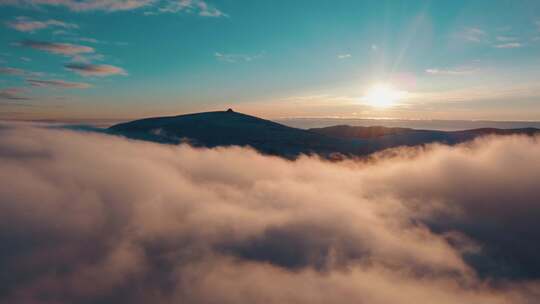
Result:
91,218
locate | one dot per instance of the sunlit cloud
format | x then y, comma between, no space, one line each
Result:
87,58
85,5
97,70
66,49
480,93
58,84
13,94
344,56
26,24
409,225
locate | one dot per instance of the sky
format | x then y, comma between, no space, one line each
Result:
466,60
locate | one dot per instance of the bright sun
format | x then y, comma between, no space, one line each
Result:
382,96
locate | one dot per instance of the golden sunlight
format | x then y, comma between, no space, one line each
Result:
382,96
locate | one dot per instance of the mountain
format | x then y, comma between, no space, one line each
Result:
388,137
350,132
227,128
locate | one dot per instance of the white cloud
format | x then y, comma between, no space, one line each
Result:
473,34
234,58
511,45
457,71
198,7
506,38
86,39
344,56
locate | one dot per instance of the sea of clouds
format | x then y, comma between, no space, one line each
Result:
93,218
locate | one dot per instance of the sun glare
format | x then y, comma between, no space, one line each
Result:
382,96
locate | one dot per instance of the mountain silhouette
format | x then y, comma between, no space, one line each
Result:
228,128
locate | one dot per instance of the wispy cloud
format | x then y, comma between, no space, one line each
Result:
66,49
12,94
26,24
91,40
233,58
87,58
344,56
198,7
54,83
456,71
61,32
86,5
511,45
473,34
101,70
506,38
18,72
11,71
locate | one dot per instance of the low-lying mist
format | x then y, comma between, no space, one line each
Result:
92,218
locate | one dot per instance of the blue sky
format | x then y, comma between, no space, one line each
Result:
68,59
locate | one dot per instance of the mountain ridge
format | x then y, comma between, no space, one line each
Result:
230,128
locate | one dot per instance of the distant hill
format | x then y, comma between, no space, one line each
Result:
388,137
227,128
349,132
